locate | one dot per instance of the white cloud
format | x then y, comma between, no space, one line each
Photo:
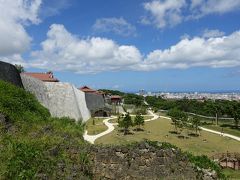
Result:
202,8
14,15
62,51
168,13
115,25
163,13
209,33
213,52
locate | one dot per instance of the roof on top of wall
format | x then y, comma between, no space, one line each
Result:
46,77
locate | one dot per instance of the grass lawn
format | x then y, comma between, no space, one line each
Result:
232,131
227,125
231,174
97,128
158,130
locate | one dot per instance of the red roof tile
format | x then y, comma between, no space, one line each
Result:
87,89
46,77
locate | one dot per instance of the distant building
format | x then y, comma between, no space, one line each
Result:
115,99
96,102
45,77
87,89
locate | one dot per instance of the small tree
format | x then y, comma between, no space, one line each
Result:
139,121
195,122
125,123
179,118
20,68
234,111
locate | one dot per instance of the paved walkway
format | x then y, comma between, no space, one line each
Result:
92,138
212,131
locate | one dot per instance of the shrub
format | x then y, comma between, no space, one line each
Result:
18,104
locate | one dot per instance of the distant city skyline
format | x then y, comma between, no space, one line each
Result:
156,45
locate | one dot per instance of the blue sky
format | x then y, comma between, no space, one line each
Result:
156,45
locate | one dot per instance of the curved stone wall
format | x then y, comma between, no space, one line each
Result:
62,99
94,101
9,73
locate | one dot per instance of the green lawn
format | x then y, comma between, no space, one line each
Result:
208,143
226,125
235,132
97,128
231,174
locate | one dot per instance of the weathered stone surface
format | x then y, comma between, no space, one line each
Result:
9,73
139,162
62,99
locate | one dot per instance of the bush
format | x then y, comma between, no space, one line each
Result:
18,104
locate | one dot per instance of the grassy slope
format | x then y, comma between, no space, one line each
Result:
159,131
34,145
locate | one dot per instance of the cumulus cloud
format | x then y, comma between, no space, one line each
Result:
63,51
213,52
208,33
163,13
115,25
14,15
168,13
202,8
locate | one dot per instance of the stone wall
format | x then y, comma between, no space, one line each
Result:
62,99
143,161
94,101
9,73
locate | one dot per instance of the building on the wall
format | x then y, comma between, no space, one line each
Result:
115,99
96,102
87,89
45,77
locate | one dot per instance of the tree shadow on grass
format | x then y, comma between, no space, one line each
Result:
193,134
125,133
182,137
138,129
230,126
174,132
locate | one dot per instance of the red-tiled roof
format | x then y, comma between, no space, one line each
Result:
87,89
46,77
116,97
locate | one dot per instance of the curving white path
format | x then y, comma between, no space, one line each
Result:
212,131
92,138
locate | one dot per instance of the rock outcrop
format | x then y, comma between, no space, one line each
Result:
62,99
9,73
143,161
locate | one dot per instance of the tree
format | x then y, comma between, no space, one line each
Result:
195,122
125,123
20,68
234,111
139,121
179,118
